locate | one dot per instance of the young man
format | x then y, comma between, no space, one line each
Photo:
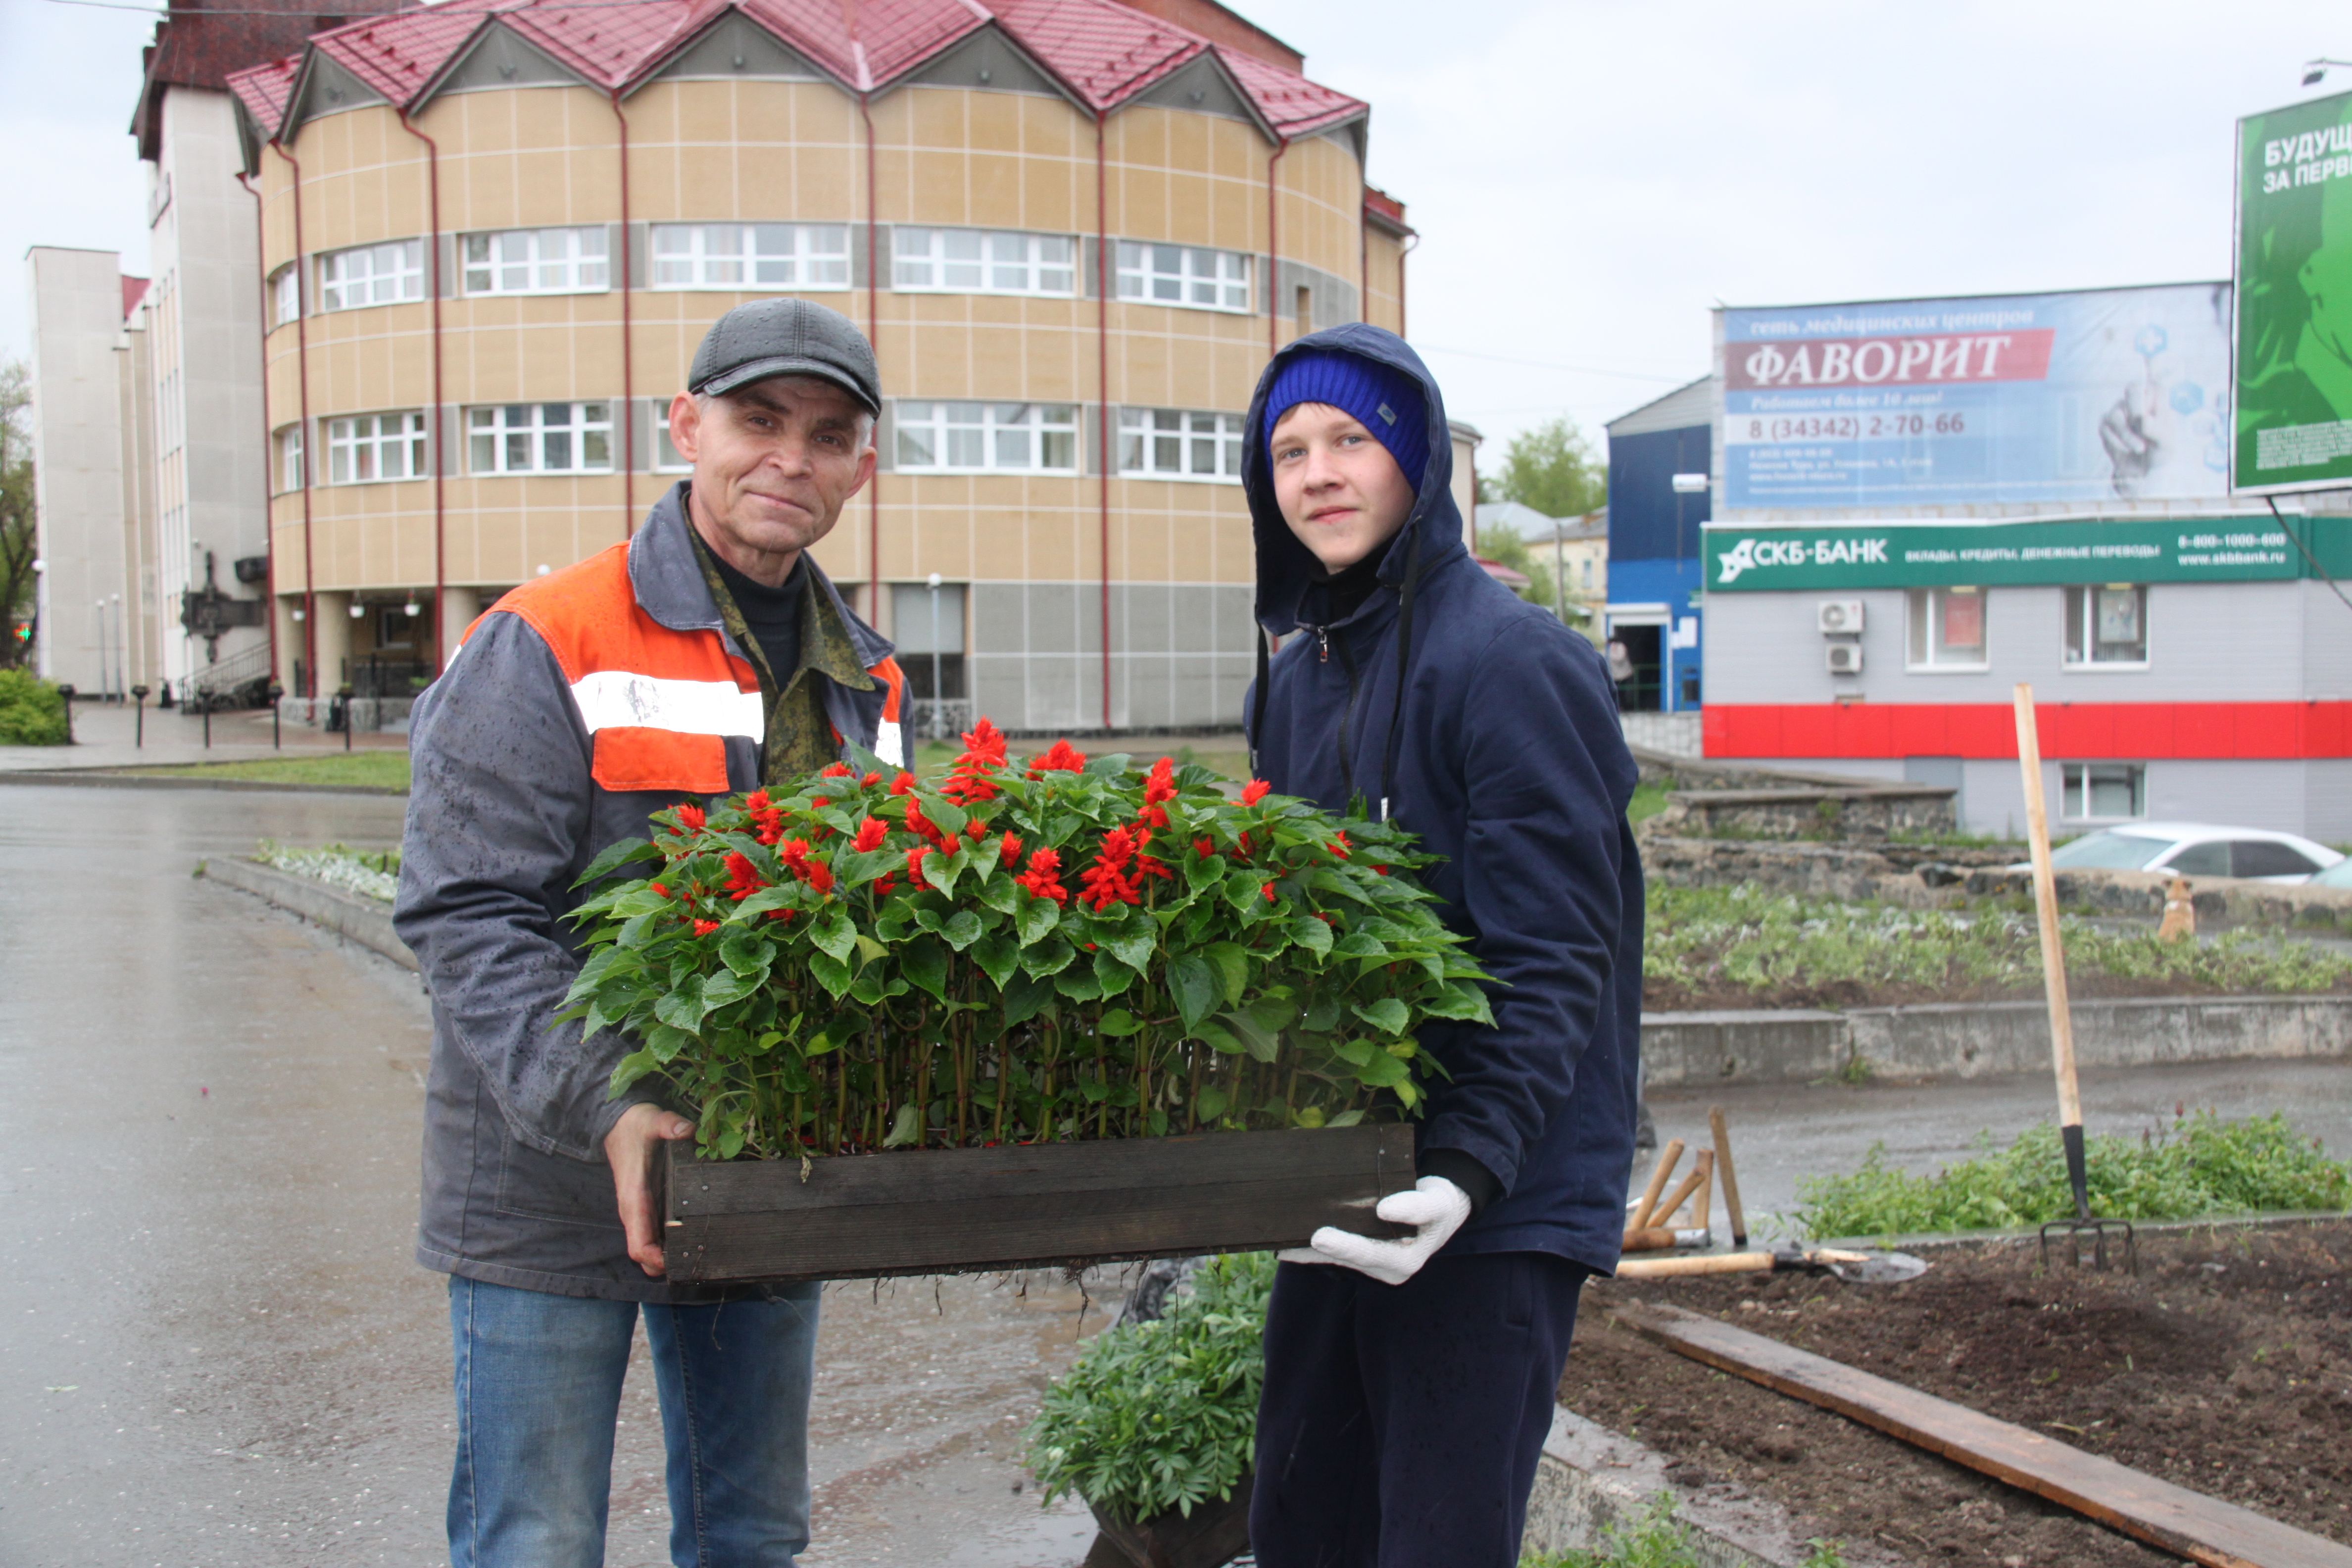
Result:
1409,1383
708,654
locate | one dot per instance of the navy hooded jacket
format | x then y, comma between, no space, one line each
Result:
1508,761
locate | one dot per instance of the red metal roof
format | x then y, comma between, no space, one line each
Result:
1104,52
133,291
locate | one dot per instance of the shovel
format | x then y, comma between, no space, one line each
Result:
1854,1267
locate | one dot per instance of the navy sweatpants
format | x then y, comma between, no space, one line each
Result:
1400,1424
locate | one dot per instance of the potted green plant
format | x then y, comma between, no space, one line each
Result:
1153,1424
990,981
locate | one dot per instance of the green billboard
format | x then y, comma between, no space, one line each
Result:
2294,304
1743,558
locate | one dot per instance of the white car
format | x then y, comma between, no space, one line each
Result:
2194,849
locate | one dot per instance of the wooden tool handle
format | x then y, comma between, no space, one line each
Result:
1668,1158
1661,1238
1731,1208
1713,1263
2045,907
1689,1184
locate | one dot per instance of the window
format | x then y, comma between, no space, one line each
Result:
751,255
285,294
541,438
667,458
988,437
371,275
2268,858
290,458
1947,628
927,625
1184,275
983,261
2095,790
2107,624
1171,443
536,261
371,446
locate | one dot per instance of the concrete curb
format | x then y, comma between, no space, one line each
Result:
1589,1478
101,779
1982,1039
363,920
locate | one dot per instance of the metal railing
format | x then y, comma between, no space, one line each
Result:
240,680
938,718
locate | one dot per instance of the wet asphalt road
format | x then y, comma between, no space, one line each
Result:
214,1346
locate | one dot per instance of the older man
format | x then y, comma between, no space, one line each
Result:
708,654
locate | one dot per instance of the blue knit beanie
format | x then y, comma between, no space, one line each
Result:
1385,400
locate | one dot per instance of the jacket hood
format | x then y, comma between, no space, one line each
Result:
1284,566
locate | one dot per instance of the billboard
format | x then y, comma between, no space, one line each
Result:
2014,398
1744,559
2294,297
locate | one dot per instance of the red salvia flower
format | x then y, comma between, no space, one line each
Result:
1117,875
1255,791
838,770
820,877
1059,758
704,928
1160,787
743,878
883,885
782,914
1040,877
984,739
1340,844
756,802
983,753
902,783
663,890
917,823
1380,870
869,779
1204,847
1009,851
1245,847
794,853
689,819
915,865
975,829
870,834
1268,892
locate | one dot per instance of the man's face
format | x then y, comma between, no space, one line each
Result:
1338,489
774,463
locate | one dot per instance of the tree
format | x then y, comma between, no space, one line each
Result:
1502,545
1551,468
16,536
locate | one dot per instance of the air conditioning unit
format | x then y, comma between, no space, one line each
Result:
1845,657
1837,616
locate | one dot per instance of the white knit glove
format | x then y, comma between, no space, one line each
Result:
1436,1205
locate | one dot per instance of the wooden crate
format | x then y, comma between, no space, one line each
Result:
964,1211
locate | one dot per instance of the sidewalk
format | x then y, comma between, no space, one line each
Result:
105,737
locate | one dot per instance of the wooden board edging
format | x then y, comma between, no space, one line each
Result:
2186,1523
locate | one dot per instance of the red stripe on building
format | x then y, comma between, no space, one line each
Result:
2138,731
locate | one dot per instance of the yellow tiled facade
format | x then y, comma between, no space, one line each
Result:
1026,547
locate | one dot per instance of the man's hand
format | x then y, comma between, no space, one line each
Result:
1435,1205
629,1150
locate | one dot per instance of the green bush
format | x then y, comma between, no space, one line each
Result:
2201,1166
32,711
1160,1415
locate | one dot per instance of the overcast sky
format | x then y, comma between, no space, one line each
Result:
1589,179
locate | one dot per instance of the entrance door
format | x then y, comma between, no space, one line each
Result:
1645,646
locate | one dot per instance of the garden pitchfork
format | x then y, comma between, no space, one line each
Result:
2062,1024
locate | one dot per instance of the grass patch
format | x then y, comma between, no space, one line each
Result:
1713,941
1657,1538
2199,1167
1649,799
381,769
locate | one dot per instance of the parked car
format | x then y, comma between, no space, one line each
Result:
2195,850
2336,876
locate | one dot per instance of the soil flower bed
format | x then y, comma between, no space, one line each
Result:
372,874
2225,1366
1034,950
1732,947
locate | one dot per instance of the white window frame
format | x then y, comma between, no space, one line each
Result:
357,441
364,275
290,473
2082,644
572,260
932,260
1146,435
285,294
1922,636
667,458
1186,276
806,257
2073,799
962,428
515,438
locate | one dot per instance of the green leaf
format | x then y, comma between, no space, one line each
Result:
1079,985
1025,997
1260,1041
615,857
793,1078
834,933
963,930
628,1071
1231,960
1111,977
905,1128
681,1009
725,987
830,971
1309,934
1275,1010
1002,894
868,950
1132,942
1347,1118
1193,981
1381,1071
1049,958
1356,944
666,1042
945,814
1202,875
1355,1053
743,956
925,963
1217,1036
1388,1014
941,870
1211,1102
1119,1022
997,957
1037,916
1459,1001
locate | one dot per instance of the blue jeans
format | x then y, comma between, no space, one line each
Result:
539,1393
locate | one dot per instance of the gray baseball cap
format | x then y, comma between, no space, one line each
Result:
785,337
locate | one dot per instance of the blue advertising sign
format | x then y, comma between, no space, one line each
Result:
2006,398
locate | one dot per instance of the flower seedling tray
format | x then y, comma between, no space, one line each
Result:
965,1211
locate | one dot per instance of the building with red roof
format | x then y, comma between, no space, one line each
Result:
493,234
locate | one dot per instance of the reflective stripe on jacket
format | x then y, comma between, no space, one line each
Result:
576,707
